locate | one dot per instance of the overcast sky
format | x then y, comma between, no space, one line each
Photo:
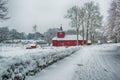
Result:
44,13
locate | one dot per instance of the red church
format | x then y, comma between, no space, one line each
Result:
67,40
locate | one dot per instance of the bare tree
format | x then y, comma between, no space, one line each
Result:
87,17
50,34
117,23
4,32
3,14
70,32
111,20
3,10
113,29
93,20
35,30
72,14
81,19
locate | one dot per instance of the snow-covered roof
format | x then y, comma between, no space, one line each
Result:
68,37
33,41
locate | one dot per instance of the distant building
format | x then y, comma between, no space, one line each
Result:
67,40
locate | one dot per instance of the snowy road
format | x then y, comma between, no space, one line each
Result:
99,63
89,63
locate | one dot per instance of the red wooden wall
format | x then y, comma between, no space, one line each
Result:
66,43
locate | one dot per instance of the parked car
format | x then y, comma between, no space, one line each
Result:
31,46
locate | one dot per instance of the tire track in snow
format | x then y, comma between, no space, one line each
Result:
98,66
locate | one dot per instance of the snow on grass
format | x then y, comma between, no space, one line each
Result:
19,50
20,61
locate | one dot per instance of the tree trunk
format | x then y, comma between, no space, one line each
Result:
83,32
93,38
91,31
77,27
77,36
87,32
88,23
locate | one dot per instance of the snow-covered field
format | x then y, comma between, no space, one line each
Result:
18,61
96,62
19,50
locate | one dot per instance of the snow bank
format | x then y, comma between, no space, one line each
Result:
18,67
105,47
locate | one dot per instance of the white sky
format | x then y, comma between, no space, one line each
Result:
44,13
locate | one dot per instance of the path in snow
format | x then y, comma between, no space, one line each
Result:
62,70
89,63
99,63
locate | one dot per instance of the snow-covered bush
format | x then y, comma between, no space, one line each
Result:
16,68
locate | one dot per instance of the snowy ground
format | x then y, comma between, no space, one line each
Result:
98,62
13,50
18,61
